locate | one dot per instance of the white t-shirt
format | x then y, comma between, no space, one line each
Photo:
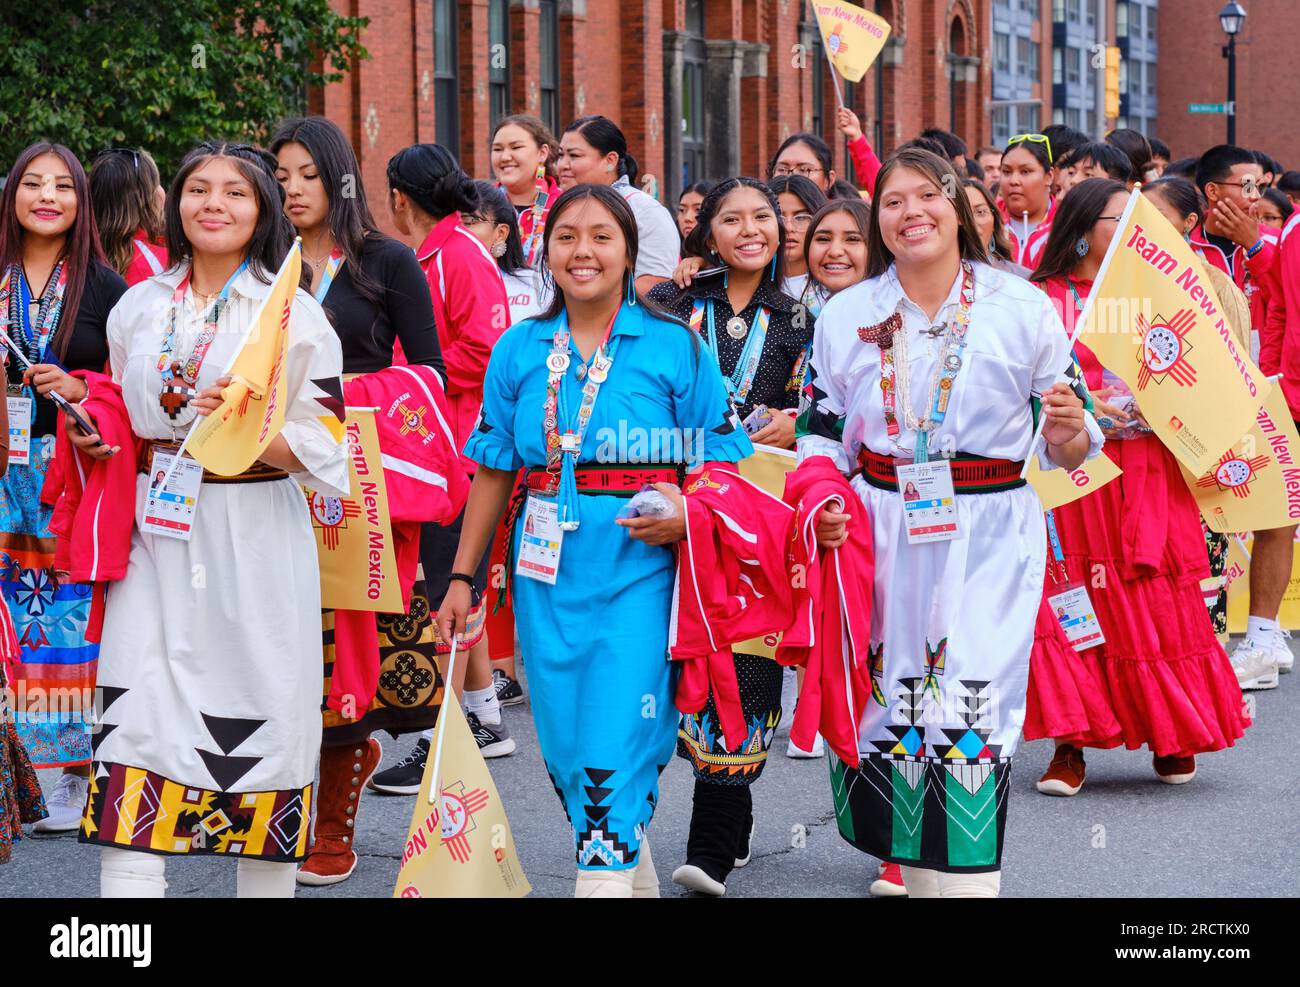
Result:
794,284
660,244
526,294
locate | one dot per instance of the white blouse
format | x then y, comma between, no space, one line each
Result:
1016,348
138,325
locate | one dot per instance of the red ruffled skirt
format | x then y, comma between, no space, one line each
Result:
1136,543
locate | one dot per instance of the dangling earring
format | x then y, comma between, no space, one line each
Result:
1082,247
773,274
499,249
993,247
724,279
631,288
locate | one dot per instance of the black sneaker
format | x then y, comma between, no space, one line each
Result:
404,777
509,692
493,741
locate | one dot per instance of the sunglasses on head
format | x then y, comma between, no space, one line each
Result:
1033,139
105,152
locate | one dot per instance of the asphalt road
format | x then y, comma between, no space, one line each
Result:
1230,832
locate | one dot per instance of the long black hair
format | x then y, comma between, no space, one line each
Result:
1076,215
1001,243
603,134
273,234
350,220
430,176
494,205
1181,194
697,244
622,213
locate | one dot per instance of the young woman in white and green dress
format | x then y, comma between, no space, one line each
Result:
931,372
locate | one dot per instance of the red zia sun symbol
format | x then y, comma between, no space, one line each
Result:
1234,473
1165,348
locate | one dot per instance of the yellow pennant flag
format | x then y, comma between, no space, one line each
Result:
1154,320
767,469
354,536
1057,487
251,414
1237,575
853,37
462,848
1255,485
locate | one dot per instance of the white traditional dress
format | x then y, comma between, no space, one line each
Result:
952,621
210,662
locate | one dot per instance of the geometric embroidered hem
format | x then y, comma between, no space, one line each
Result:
924,811
138,809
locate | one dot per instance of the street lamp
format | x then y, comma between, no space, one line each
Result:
1231,18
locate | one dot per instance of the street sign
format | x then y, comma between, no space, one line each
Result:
1227,108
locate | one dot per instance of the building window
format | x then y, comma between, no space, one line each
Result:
1058,10
1091,10
549,51
1072,11
446,95
1001,125
498,60
1058,66
1001,53
1121,19
695,17
1027,55
1151,23
693,57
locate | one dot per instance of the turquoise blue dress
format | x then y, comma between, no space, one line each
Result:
596,643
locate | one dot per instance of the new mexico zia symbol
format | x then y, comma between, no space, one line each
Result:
1165,348
331,515
458,808
1234,473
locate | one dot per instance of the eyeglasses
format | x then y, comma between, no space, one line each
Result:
470,219
104,152
1033,139
1115,219
800,220
1248,186
784,171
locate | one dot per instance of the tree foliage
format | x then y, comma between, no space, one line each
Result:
162,74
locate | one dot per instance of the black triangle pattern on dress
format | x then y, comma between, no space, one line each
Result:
109,694
598,776
333,400
230,731
101,731
226,770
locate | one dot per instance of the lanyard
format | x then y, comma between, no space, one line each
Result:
556,411
741,379
1059,573
949,366
540,207
170,368
327,278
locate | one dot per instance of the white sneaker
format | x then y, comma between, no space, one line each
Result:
818,749
1256,666
65,804
1285,659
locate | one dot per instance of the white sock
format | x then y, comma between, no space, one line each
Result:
483,704
1263,631
264,879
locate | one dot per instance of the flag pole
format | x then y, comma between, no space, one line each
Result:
448,696
1084,316
835,74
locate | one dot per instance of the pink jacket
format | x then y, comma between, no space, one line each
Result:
865,163
733,585
1249,276
833,604
1279,341
472,311
94,499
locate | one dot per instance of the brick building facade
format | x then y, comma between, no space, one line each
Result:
1193,70
701,88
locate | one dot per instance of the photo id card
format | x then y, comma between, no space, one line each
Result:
170,511
540,543
929,506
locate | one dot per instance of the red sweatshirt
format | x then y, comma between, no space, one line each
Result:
832,605
424,482
1279,343
1248,273
472,311
732,585
147,259
94,499
865,163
